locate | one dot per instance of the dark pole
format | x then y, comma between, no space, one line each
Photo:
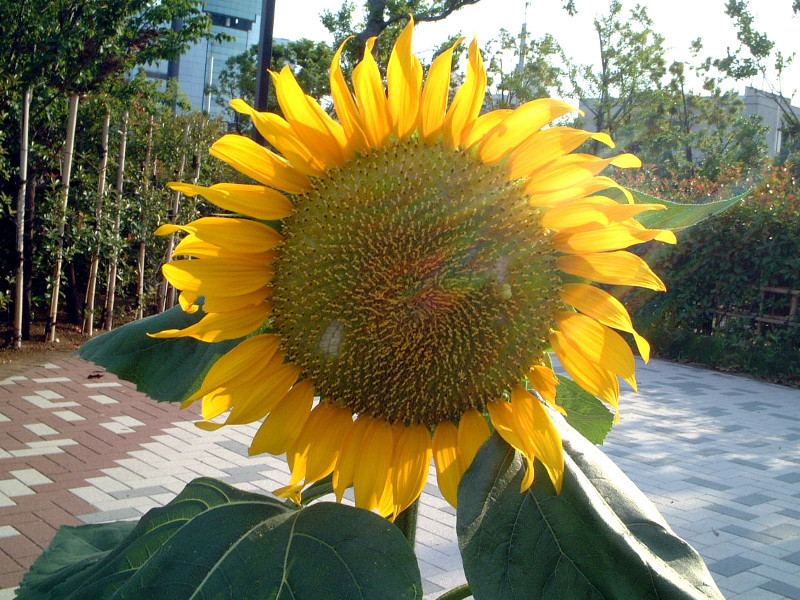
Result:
264,59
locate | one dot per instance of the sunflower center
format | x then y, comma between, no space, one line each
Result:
415,283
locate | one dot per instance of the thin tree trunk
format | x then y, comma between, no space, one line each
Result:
27,295
16,340
164,287
111,288
88,307
145,198
66,174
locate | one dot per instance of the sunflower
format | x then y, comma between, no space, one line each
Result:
401,274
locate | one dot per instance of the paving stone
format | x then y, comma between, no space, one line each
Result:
780,587
732,565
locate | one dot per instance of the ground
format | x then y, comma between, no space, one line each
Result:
38,351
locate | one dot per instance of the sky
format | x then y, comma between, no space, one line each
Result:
679,21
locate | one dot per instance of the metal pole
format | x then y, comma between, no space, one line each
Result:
264,59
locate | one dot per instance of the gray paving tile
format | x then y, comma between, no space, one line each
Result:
785,531
753,499
714,485
793,477
139,492
732,565
783,588
750,534
732,512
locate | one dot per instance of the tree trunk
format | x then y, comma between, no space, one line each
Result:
27,295
88,306
148,171
66,174
111,288
16,340
164,287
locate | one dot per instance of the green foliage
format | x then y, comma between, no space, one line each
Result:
714,275
585,413
215,541
599,538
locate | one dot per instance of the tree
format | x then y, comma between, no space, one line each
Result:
755,56
71,47
538,69
632,64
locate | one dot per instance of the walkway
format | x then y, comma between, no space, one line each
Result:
718,454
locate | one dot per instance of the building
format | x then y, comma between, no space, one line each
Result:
765,105
200,66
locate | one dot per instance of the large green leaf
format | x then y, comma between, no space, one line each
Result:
164,369
214,541
680,216
600,538
585,412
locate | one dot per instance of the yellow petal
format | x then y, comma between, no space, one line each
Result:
346,108
245,394
506,420
345,469
263,165
542,437
255,201
616,268
311,124
251,356
445,455
476,131
266,395
574,170
584,188
372,471
588,375
235,235
588,213
435,94
188,302
371,98
544,381
412,461
278,132
468,101
612,237
217,276
404,82
283,424
603,308
217,327
214,304
599,344
546,146
473,431
519,125
319,444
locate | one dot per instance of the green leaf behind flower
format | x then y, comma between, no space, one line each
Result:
586,413
165,369
600,538
214,541
680,216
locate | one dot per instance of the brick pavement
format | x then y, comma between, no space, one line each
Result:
718,454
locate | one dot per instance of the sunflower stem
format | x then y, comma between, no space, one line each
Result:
459,593
406,521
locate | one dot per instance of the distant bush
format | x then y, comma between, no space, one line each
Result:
716,277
